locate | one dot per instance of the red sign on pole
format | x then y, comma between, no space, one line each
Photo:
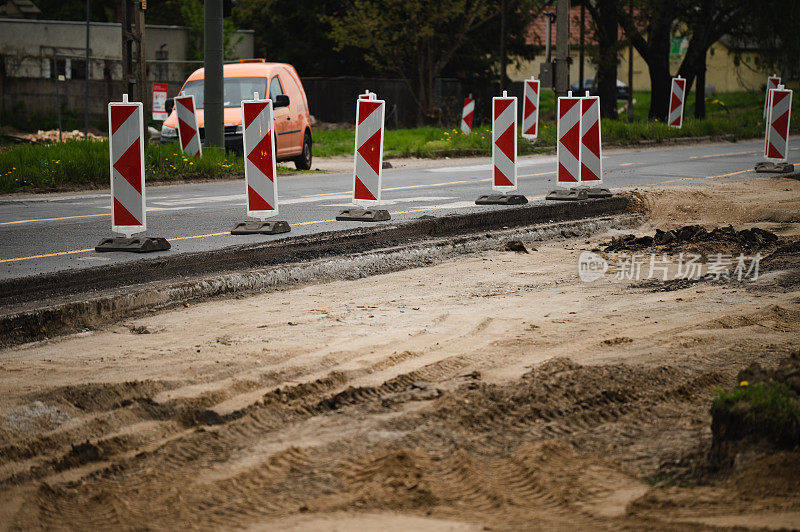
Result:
159,101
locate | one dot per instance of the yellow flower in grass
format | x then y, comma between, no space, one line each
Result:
743,384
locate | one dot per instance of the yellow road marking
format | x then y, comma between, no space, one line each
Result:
626,164
722,154
47,255
732,173
529,175
72,252
53,219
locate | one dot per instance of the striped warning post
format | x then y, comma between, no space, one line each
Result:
504,142
467,113
367,171
591,148
530,110
776,145
260,173
772,83
188,133
568,148
126,154
676,101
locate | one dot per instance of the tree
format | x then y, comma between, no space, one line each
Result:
413,39
707,21
194,16
311,52
656,20
606,29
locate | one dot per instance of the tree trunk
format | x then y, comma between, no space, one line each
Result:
607,63
658,66
700,91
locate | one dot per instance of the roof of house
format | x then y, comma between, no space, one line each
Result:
20,9
537,31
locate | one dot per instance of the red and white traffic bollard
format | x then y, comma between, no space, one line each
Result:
260,170
504,153
368,163
591,146
126,166
530,110
467,113
568,146
776,138
188,132
676,102
772,83
579,152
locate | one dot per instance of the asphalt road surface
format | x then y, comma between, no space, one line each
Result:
53,232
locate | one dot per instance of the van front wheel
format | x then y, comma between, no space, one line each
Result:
303,162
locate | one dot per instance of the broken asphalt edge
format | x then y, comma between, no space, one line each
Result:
49,305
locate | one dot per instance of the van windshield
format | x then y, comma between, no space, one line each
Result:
234,90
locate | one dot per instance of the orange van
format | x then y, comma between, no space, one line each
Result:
241,80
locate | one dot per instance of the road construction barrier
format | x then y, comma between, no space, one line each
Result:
368,163
504,142
188,132
530,110
772,83
504,153
260,170
568,147
126,166
467,113
676,102
368,171
126,151
591,147
776,145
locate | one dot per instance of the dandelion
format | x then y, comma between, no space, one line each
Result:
743,384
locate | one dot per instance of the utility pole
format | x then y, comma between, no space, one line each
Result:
86,87
134,72
562,48
503,61
580,66
213,97
630,67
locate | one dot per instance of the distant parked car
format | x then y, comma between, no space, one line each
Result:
589,84
280,82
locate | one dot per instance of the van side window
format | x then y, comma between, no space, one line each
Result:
275,88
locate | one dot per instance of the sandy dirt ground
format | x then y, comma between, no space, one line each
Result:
496,391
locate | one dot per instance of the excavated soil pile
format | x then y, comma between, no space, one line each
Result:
698,239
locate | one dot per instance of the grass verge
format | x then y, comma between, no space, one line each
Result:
79,164
737,114
765,407
85,164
